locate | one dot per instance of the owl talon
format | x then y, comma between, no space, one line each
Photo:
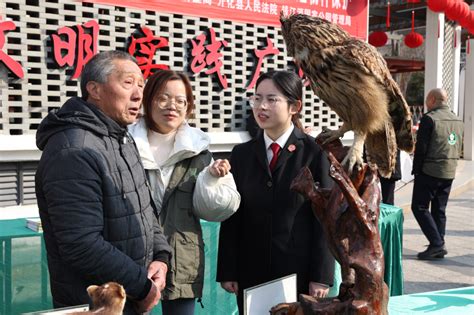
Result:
351,161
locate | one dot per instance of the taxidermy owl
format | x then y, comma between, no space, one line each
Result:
353,79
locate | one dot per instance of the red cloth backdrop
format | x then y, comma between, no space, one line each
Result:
353,18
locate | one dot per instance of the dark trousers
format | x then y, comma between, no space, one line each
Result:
240,302
388,190
178,307
435,191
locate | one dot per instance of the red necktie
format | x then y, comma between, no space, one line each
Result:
275,149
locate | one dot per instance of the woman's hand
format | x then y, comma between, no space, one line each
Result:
219,168
230,286
318,290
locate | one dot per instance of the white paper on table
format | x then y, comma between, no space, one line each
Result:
261,298
61,311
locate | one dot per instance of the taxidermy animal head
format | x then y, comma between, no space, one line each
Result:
107,299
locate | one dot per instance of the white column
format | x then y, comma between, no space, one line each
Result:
469,105
457,67
434,50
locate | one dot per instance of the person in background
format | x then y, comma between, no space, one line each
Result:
98,220
274,233
187,184
438,147
388,184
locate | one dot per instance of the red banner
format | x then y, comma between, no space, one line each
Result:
352,15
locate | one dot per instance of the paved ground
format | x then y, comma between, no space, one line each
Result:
457,268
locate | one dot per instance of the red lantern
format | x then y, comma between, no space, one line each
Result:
457,11
378,39
465,12
413,39
439,5
467,21
450,7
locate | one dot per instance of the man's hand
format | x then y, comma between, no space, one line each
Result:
230,286
150,300
318,290
157,273
219,168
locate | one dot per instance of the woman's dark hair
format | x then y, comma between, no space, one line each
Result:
290,85
155,86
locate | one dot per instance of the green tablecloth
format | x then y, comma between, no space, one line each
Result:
23,269
391,235
27,294
447,302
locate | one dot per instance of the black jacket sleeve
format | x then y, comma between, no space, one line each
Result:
423,139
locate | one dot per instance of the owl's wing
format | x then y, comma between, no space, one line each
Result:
363,57
360,56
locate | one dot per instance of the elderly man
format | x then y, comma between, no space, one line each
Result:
438,147
94,202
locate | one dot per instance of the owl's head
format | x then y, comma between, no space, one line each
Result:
303,33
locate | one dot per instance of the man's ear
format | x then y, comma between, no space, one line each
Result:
93,88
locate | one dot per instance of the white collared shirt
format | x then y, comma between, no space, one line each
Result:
281,141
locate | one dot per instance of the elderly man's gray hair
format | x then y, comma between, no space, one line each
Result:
100,67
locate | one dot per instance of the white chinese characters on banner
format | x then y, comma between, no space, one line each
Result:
351,15
271,8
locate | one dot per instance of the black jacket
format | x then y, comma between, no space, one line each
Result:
274,233
98,220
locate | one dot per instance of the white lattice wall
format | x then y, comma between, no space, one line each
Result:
25,102
448,61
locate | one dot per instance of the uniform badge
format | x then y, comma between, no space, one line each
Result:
452,138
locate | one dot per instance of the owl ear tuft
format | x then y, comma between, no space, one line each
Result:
283,19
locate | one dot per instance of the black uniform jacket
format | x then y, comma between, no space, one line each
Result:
274,233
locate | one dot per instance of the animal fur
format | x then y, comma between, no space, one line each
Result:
107,299
352,78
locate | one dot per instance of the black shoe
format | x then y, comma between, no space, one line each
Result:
442,254
433,252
